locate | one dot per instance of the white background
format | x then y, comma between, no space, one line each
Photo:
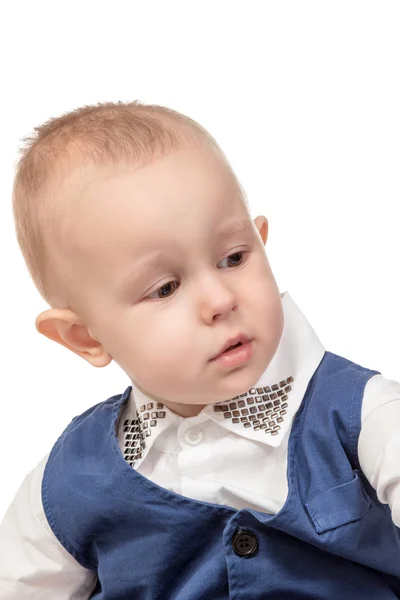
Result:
304,99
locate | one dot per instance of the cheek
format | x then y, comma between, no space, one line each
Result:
165,339
166,349
259,289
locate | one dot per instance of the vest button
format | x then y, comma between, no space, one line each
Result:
244,543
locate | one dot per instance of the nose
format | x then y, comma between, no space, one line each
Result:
217,298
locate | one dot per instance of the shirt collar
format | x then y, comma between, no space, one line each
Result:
263,414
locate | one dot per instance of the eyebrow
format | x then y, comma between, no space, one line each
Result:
158,258
233,227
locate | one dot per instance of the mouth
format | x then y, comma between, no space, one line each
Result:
235,342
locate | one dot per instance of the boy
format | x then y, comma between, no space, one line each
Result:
137,233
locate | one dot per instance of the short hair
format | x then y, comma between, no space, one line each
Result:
99,134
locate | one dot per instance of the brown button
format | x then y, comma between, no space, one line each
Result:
244,543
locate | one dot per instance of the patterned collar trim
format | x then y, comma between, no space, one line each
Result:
136,431
262,408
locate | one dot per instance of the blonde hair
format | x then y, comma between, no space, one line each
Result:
100,134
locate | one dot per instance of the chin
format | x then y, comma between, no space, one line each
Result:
242,380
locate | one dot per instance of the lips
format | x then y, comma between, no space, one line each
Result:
241,338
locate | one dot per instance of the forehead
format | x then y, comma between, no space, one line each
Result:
182,187
182,198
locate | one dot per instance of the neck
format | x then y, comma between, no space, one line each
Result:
185,410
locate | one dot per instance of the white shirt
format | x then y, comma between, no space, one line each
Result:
232,453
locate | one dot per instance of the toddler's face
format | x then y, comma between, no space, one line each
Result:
163,285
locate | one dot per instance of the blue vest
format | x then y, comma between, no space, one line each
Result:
332,539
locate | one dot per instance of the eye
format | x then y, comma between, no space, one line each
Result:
165,290
238,258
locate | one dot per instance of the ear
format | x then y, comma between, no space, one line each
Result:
64,327
261,223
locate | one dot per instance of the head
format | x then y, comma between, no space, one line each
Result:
154,261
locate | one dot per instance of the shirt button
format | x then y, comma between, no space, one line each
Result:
244,543
193,436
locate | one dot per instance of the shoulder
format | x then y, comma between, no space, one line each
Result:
378,392
33,561
105,410
379,441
